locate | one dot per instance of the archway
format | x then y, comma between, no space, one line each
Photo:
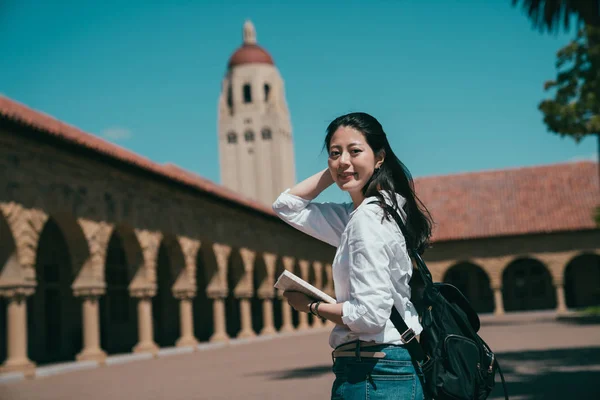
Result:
474,283
295,314
277,309
527,285
118,316
54,317
582,281
206,267
235,273
312,279
260,276
165,307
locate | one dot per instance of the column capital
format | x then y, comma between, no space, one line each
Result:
142,292
222,252
19,291
89,291
26,225
248,257
189,246
149,242
245,287
266,289
217,293
270,260
97,236
184,294
288,263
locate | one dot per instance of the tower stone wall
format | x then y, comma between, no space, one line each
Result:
255,134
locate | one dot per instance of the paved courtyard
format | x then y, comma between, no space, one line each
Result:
542,359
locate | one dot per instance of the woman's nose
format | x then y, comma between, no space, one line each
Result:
345,158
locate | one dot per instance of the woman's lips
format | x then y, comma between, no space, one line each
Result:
346,177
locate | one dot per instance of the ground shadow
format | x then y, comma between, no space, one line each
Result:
550,374
532,375
296,373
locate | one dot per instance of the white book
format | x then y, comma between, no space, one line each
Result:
290,282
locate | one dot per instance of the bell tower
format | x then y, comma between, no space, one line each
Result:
256,151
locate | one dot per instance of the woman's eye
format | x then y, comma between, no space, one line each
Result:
334,154
356,151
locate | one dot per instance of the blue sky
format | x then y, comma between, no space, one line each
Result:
455,83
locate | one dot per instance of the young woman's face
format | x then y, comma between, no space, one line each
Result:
351,159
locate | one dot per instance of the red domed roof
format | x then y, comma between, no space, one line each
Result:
250,54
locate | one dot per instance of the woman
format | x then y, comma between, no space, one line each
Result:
371,268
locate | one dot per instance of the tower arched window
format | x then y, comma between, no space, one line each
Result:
230,97
267,91
247,93
249,136
231,137
266,134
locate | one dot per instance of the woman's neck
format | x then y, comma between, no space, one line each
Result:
357,198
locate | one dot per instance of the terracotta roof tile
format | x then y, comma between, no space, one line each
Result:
548,198
15,111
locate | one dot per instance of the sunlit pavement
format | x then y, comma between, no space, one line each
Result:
542,359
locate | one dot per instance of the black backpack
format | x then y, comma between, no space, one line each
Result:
456,363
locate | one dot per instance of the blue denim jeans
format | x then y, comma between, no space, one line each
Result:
391,377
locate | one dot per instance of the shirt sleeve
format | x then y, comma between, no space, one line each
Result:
371,300
323,221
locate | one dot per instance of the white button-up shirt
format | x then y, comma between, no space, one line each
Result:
371,268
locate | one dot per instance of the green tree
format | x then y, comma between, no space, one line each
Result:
575,109
548,14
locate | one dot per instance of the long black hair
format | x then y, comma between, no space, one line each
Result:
392,176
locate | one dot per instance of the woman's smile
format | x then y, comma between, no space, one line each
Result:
346,176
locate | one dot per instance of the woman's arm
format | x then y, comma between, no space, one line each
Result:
301,302
311,187
324,221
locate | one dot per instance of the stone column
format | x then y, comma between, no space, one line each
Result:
143,287
217,291
245,319
498,301
244,291
304,273
184,289
220,331
146,342
16,326
561,304
268,325
186,318
286,310
89,285
91,325
266,292
19,281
